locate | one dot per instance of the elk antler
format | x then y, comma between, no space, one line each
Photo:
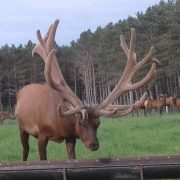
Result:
52,72
132,67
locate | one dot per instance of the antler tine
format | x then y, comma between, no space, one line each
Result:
132,67
144,81
52,72
123,44
48,74
122,110
51,38
141,101
132,42
65,90
45,46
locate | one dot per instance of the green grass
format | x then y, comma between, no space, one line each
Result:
121,137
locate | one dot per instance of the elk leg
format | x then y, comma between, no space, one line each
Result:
70,147
24,140
42,143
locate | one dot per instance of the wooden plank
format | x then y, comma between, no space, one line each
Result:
115,168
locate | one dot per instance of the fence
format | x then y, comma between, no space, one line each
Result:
159,167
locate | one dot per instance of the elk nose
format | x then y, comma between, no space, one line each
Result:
94,146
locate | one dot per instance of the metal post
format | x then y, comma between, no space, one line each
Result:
64,174
141,173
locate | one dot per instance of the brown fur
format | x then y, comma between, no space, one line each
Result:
155,104
177,102
169,103
37,114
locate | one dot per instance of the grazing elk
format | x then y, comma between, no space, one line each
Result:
52,111
156,104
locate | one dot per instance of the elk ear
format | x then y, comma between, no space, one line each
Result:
68,105
64,106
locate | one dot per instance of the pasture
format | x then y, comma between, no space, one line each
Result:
120,137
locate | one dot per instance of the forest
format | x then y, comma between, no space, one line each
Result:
93,64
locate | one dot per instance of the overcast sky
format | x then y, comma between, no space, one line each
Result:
19,19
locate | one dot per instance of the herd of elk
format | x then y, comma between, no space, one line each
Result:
51,111
150,104
156,104
159,103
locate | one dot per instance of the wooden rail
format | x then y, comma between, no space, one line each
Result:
158,167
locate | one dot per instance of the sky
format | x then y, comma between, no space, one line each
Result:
20,19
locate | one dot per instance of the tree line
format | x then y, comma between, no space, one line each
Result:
94,63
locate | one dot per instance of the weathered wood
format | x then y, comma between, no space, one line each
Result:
105,169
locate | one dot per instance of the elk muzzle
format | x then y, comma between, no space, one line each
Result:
92,145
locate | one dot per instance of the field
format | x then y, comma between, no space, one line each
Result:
120,137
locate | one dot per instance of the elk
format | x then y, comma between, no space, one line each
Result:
5,115
156,104
169,102
177,103
52,111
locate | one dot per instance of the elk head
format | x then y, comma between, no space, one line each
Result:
87,119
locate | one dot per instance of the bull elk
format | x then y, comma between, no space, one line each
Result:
51,111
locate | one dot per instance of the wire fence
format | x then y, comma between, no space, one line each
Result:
9,90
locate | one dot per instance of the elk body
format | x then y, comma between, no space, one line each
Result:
177,103
41,119
169,103
156,104
53,112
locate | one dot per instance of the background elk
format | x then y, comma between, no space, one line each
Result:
52,111
169,103
177,103
156,104
5,115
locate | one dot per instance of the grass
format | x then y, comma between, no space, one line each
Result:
120,137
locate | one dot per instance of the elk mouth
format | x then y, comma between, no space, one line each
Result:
92,146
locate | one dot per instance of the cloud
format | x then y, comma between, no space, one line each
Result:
20,19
